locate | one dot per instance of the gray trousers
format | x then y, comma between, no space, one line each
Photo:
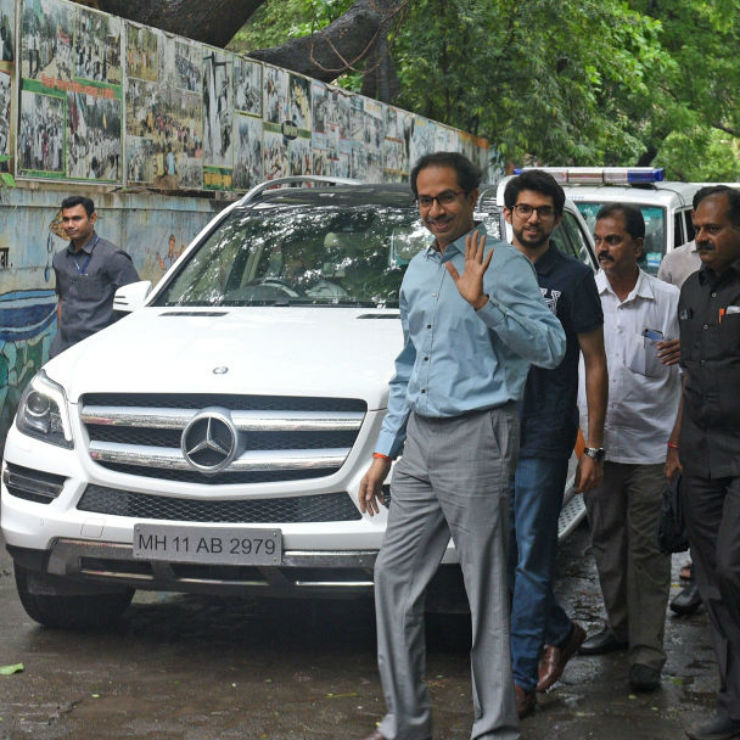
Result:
453,480
635,576
712,513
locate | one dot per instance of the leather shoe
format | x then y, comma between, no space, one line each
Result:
644,677
554,658
526,701
602,642
688,601
718,728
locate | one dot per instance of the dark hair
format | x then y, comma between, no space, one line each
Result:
539,181
468,175
633,220
733,200
79,200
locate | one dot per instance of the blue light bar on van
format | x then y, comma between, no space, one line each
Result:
602,175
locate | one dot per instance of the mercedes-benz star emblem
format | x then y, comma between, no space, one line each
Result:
210,441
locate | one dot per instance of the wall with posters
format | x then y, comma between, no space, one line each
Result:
108,101
161,132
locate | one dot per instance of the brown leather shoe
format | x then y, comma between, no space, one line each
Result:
526,701
554,659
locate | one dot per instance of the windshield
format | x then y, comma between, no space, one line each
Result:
655,231
318,255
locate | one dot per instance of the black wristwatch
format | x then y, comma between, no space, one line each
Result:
597,453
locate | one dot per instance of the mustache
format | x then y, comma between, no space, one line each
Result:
603,256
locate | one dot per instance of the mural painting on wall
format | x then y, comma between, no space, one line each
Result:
70,112
398,124
195,117
7,46
275,112
169,257
218,104
163,111
5,83
422,138
331,142
7,29
297,126
97,47
368,133
247,123
27,312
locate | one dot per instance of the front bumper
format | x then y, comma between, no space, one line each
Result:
307,573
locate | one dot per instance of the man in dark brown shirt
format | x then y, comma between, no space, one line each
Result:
705,443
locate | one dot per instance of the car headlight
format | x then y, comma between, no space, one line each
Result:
42,412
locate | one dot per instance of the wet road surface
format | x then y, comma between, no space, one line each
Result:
190,667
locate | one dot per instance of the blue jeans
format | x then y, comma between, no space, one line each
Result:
536,617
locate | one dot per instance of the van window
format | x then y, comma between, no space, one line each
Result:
679,237
655,231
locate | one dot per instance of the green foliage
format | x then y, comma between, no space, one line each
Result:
694,126
592,82
277,21
540,79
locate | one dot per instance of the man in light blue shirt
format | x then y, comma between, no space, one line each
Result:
473,321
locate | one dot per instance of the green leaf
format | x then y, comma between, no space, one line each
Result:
9,670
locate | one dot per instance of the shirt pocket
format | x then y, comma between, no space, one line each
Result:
729,335
90,288
641,356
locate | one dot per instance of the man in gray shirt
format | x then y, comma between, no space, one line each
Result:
88,273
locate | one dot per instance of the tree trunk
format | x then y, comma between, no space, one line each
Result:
357,38
212,21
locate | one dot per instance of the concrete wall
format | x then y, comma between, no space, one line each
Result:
99,99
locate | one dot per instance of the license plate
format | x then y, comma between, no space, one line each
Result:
232,546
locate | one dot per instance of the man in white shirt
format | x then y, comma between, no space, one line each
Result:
679,263
640,320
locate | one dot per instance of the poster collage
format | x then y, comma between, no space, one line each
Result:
113,101
7,53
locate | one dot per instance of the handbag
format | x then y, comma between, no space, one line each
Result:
671,531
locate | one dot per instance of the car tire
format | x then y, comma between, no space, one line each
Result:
71,611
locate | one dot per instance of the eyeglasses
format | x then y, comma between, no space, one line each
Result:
445,198
525,210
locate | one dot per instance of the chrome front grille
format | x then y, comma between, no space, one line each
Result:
280,438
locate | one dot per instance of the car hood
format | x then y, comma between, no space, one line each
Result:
306,351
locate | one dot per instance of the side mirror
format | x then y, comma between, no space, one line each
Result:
132,296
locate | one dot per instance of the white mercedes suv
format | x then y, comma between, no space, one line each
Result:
214,438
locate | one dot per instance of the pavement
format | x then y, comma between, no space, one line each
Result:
183,667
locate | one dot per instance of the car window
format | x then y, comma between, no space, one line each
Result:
570,240
322,255
690,232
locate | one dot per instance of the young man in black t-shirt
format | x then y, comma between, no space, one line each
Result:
549,425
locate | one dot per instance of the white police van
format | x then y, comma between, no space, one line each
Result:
665,205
